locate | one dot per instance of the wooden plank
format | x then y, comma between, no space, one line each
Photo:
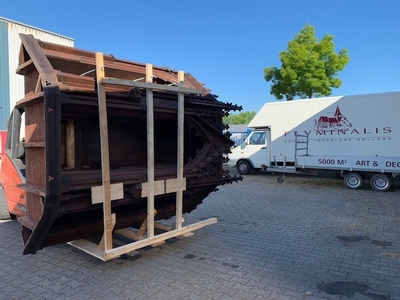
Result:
116,252
129,233
164,227
181,119
161,187
138,234
150,152
171,185
150,85
42,64
105,159
81,61
158,188
116,192
70,144
93,249
89,248
101,244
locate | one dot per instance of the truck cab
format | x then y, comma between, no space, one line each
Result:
253,153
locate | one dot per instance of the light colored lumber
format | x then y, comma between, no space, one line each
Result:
185,235
164,227
116,252
150,151
105,159
171,185
158,188
130,233
170,227
179,179
101,244
116,192
140,233
150,85
89,248
70,144
161,187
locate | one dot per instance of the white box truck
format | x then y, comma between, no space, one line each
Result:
355,136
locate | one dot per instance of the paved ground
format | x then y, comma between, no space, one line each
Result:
307,238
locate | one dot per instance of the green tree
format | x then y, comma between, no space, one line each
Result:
309,67
240,118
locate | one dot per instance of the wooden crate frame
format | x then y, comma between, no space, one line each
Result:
145,235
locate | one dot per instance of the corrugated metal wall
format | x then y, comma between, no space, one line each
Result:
4,77
11,84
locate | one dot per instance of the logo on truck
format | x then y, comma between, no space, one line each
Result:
338,121
338,124
335,126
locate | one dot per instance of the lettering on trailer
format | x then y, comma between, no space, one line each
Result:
393,164
353,132
334,126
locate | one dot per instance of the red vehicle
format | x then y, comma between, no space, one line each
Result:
12,172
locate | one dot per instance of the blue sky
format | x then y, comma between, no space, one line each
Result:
227,44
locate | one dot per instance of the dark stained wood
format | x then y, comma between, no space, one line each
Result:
63,157
40,61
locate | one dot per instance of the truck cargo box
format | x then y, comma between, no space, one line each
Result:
355,136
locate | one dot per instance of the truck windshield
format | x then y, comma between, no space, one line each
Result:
14,146
257,138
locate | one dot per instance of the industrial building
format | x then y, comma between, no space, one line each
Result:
12,84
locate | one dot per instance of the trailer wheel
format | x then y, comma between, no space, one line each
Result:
279,179
244,167
380,182
353,180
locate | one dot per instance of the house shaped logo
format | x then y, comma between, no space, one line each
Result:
332,123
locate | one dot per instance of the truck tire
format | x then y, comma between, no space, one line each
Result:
380,182
244,167
353,180
4,213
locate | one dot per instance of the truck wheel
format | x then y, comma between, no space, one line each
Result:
353,180
4,214
380,183
243,167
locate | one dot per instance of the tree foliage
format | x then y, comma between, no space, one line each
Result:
309,67
240,118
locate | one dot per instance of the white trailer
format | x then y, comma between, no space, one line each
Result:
355,136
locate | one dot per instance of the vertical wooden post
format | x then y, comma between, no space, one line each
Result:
181,130
150,152
105,159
